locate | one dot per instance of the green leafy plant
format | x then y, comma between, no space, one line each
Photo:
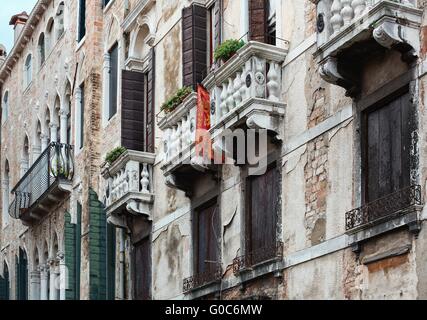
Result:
173,102
227,49
114,154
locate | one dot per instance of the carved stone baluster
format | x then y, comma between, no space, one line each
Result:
336,19
126,180
230,99
178,137
184,133
172,144
347,12
237,85
145,179
273,85
260,78
224,96
359,7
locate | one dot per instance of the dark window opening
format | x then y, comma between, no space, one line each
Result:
82,20
113,80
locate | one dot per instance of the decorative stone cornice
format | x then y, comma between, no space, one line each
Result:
23,39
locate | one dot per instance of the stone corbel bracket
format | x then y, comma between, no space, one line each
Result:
405,38
330,72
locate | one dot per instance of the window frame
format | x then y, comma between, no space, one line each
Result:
28,71
5,107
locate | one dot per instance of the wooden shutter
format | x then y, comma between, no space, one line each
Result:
114,65
207,233
4,284
263,199
142,270
194,45
150,105
258,20
388,143
133,95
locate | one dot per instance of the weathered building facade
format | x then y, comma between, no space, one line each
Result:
102,198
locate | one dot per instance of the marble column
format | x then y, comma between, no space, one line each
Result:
63,116
54,132
35,285
52,280
63,276
44,278
45,140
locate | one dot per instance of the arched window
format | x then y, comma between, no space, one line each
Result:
37,148
42,49
60,20
50,35
6,194
5,107
5,286
28,75
55,135
22,275
47,127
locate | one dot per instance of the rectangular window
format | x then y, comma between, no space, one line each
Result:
81,117
386,146
113,75
262,209
271,21
82,20
206,240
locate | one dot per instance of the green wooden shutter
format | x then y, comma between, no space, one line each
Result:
97,248
4,288
72,254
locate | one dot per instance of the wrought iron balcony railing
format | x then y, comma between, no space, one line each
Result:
385,208
259,256
202,279
54,166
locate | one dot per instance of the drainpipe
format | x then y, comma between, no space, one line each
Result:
122,265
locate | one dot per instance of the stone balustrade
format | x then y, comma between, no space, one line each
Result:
336,15
254,73
129,183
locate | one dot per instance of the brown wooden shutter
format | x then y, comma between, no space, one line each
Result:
142,270
258,20
207,232
194,44
150,106
263,200
388,145
133,95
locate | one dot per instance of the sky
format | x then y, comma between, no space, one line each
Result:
7,10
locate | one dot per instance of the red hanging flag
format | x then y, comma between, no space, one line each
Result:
203,119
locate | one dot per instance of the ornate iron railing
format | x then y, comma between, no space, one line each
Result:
387,206
56,162
202,279
273,252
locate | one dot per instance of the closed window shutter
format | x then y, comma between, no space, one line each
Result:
258,20
4,287
207,232
133,96
388,145
150,106
263,208
194,44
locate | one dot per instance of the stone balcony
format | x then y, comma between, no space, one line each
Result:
350,30
245,93
129,187
45,185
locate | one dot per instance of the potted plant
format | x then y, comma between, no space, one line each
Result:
172,103
228,49
114,154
